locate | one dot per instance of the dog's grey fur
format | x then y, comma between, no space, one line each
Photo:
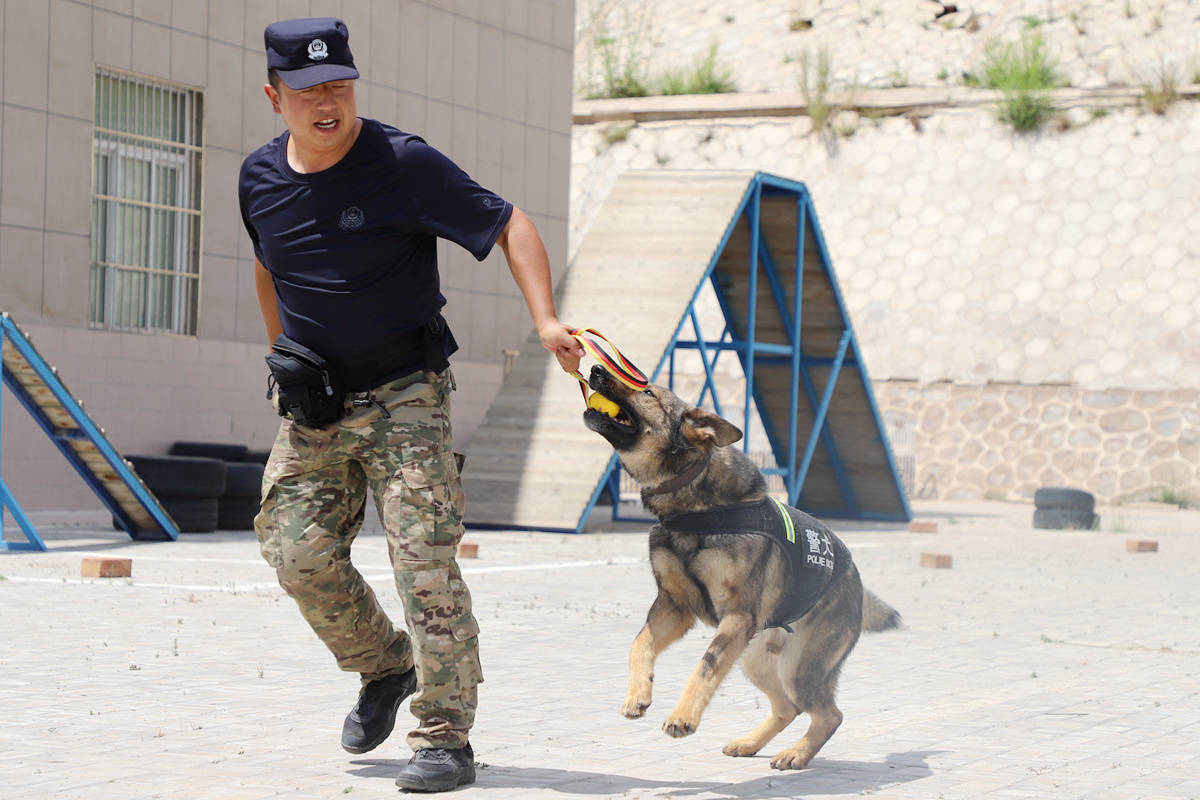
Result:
732,581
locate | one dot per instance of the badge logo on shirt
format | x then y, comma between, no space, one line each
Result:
351,218
318,50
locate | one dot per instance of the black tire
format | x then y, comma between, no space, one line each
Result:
180,476
1065,519
257,456
243,480
237,513
1058,497
221,452
192,514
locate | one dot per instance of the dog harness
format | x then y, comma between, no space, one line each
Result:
816,556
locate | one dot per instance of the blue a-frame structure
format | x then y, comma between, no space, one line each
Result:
40,390
786,321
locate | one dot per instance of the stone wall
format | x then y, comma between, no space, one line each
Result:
1003,441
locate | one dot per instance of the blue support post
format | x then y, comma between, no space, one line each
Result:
819,419
797,355
7,499
751,307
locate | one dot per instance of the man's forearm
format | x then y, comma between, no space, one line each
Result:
530,267
268,304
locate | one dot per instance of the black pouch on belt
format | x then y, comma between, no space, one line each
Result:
433,349
310,391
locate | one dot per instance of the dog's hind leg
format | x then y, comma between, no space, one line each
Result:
761,665
666,623
733,634
809,668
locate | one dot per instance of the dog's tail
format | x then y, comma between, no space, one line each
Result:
878,615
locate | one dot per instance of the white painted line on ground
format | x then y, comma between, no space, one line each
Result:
236,588
231,588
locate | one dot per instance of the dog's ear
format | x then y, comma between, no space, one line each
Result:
704,427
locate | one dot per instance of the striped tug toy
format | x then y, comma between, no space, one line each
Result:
619,367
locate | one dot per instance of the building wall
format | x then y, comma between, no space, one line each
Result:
488,83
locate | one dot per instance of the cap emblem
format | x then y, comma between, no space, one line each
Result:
318,50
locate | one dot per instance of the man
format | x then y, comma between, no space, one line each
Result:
344,213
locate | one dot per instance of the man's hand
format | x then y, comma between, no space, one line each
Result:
566,348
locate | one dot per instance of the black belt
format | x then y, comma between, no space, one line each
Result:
419,348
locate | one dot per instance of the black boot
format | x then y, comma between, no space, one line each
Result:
374,715
438,769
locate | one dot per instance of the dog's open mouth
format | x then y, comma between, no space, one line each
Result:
605,410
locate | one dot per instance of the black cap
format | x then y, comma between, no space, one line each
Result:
306,52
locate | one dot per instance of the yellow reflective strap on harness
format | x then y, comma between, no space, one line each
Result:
787,519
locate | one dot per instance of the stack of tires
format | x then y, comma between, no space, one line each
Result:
238,503
1057,508
188,488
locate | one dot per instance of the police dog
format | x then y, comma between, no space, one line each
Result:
718,570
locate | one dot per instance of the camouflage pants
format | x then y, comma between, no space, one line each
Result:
314,493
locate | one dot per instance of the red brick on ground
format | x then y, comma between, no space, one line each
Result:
1141,545
922,526
107,567
936,560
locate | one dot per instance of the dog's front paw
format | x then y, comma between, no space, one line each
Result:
677,726
792,758
741,747
634,709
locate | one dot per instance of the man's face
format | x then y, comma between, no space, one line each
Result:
321,118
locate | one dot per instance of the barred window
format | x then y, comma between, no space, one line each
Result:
146,193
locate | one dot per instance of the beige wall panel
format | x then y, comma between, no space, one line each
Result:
189,59
218,297
151,49
226,86
439,80
464,137
69,176
223,228
465,62
256,16
26,49
491,71
112,39
225,21
190,16
157,11
413,48
65,282
21,272
23,179
71,69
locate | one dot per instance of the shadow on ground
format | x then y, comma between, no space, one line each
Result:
823,776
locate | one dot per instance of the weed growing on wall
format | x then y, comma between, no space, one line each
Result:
1024,72
815,81
1161,89
705,77
618,44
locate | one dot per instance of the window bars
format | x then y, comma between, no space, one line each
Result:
146,204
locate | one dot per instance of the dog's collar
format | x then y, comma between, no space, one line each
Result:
679,481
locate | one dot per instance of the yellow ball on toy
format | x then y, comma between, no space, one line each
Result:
603,404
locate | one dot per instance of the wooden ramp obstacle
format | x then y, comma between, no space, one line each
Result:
41,391
660,238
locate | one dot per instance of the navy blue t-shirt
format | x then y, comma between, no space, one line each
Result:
352,249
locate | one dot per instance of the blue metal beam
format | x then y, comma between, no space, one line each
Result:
819,425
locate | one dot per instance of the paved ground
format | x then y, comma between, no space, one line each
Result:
1042,665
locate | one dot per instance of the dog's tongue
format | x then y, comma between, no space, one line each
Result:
602,404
